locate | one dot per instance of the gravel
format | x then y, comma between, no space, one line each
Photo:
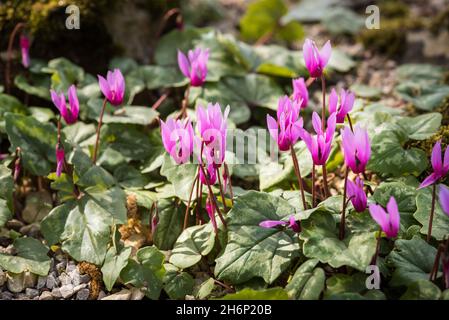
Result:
66,291
52,282
46,295
6,295
56,293
83,294
41,282
2,278
31,293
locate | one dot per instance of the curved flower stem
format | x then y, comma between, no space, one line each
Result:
229,182
432,211
100,122
14,32
350,122
160,100
343,212
185,103
198,200
313,186
376,254
433,274
211,194
221,190
323,111
186,216
298,175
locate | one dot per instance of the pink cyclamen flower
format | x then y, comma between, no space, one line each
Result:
356,148
25,49
444,198
210,208
316,60
300,92
154,223
440,165
70,115
341,106
275,223
357,194
320,145
113,87
60,158
177,138
194,66
388,221
211,173
212,128
286,130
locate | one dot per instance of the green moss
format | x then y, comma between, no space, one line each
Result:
393,9
427,145
440,22
444,110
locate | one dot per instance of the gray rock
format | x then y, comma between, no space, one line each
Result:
56,293
29,280
124,294
2,278
46,295
60,267
101,295
70,267
79,287
67,291
31,230
75,276
84,278
6,295
65,279
83,294
52,282
21,296
10,250
31,293
41,282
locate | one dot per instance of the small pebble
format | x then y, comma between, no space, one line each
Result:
137,294
84,278
46,295
65,279
31,293
56,293
41,282
6,295
52,282
66,291
101,295
60,267
70,267
83,294
79,287
75,276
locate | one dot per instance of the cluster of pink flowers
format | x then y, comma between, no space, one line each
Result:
113,88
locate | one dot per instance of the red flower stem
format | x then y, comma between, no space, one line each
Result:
313,186
212,196
376,254
432,211
309,81
200,202
343,212
350,122
298,175
100,122
433,274
12,36
229,182
221,190
186,216
159,101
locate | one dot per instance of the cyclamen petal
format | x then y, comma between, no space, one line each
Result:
272,223
388,221
357,194
341,106
300,92
440,166
319,145
444,198
356,148
113,87
60,158
316,60
194,65
69,115
210,208
25,47
177,138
